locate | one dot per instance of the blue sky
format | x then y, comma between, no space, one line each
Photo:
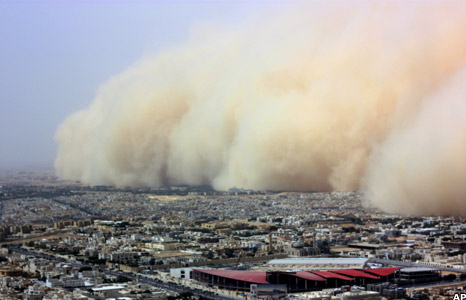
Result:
55,54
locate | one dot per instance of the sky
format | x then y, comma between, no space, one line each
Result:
55,54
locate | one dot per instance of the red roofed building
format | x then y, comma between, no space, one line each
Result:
333,280
361,278
309,276
230,279
295,281
330,275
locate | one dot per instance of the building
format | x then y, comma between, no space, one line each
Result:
359,295
299,281
418,275
10,270
318,263
229,279
185,273
66,282
163,245
301,251
124,257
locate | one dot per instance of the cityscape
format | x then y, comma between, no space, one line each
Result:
64,240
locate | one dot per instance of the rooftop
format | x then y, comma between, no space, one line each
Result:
319,261
412,270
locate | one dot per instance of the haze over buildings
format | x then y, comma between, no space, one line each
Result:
367,95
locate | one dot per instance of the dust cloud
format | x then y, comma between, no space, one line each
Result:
340,96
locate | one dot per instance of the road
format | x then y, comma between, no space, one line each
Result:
47,235
170,287
74,206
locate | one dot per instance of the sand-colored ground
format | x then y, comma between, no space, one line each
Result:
168,197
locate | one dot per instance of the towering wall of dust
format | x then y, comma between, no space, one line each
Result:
316,97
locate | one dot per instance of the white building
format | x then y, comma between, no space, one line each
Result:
181,273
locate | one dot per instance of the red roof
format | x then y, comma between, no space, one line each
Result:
327,274
248,276
355,273
308,276
381,271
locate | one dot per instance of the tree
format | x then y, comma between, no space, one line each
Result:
86,268
449,277
277,220
185,296
229,252
122,279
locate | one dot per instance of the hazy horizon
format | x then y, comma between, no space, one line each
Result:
56,55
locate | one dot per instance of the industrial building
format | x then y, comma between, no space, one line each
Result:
300,281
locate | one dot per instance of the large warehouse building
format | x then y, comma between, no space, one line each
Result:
296,281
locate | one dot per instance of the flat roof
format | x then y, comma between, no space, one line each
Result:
319,261
109,288
365,245
417,269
